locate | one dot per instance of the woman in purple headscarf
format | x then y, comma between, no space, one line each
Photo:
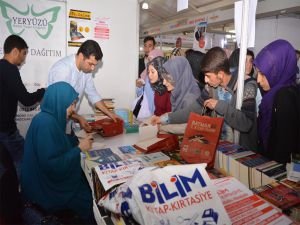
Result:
278,120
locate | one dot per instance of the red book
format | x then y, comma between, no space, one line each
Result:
163,142
107,127
279,195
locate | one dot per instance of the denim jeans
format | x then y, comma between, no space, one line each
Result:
14,143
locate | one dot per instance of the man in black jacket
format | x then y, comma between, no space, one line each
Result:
12,91
149,45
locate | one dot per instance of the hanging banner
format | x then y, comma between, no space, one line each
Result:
200,36
42,25
238,9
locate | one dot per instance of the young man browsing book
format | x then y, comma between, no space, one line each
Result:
219,98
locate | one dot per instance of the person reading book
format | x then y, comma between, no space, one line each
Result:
51,172
219,97
278,118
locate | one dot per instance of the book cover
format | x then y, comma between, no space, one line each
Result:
103,156
107,127
175,155
279,195
233,164
291,184
162,142
256,173
223,146
150,159
200,139
129,150
245,165
272,174
166,163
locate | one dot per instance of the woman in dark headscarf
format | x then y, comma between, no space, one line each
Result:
278,120
51,173
180,80
162,100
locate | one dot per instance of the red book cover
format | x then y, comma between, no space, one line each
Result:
163,142
107,127
200,139
279,195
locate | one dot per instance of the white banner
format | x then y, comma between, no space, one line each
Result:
42,24
238,9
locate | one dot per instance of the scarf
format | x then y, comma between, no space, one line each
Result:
277,61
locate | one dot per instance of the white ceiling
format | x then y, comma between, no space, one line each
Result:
164,11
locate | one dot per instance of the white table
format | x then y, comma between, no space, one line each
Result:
87,165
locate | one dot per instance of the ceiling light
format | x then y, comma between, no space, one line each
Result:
145,5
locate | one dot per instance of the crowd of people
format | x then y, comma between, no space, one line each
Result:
268,121
48,160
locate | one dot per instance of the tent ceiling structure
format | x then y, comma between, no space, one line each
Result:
164,12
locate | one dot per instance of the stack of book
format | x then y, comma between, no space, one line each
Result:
110,105
251,168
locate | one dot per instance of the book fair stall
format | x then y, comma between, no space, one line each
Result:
166,174
191,179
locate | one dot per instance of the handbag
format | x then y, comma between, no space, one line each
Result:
141,109
201,138
138,106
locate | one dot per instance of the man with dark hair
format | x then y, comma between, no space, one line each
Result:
77,71
195,58
178,51
12,91
149,45
219,96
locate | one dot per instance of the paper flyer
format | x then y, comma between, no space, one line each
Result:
114,173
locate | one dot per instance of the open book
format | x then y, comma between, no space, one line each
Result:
150,141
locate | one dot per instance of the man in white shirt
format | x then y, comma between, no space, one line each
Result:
77,71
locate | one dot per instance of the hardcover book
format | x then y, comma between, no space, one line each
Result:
279,195
107,127
162,142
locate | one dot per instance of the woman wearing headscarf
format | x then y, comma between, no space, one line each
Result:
162,96
179,80
278,120
144,86
51,174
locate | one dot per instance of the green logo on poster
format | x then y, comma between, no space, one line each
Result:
18,21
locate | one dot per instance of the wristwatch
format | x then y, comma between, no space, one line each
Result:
164,119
